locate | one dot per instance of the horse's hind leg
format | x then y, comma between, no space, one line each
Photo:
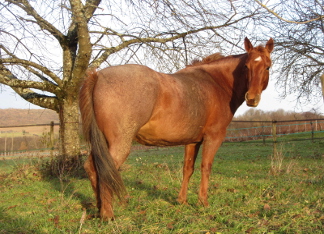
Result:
92,174
119,148
103,196
191,152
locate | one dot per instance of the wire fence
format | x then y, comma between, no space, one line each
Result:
42,139
297,130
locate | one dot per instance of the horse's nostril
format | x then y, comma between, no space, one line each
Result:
253,102
246,96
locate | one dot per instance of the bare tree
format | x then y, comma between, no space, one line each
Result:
46,46
298,27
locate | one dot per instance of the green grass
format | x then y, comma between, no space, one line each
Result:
244,196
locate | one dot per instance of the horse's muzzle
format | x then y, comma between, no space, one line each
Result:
252,101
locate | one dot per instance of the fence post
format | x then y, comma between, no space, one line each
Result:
312,128
52,138
263,134
5,153
274,136
12,141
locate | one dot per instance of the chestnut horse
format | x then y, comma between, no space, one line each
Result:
191,107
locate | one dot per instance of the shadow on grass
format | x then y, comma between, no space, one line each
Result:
63,176
154,192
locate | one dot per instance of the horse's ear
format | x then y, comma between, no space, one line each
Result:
247,44
269,45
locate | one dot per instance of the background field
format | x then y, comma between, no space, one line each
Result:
250,192
11,117
32,135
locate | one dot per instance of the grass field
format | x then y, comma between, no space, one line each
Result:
250,192
26,131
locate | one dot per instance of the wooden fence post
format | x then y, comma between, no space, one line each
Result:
263,134
312,128
274,136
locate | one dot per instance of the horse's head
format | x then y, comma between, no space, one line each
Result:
257,64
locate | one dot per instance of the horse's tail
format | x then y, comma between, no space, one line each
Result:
108,174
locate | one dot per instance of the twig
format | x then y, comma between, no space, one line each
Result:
83,217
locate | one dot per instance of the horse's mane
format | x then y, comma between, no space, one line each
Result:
217,56
206,60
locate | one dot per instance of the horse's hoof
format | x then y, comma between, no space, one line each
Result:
106,218
182,202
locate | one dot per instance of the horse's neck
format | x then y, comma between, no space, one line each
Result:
231,75
240,83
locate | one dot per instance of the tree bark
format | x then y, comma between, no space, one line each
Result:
69,129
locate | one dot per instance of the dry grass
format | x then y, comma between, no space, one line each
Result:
276,162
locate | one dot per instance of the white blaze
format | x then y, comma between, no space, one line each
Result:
258,59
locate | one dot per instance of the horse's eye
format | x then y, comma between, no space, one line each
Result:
268,68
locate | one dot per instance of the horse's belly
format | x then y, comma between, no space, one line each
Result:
168,135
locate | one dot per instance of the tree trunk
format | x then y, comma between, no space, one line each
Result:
69,129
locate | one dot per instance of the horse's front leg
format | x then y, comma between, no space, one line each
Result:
191,152
210,147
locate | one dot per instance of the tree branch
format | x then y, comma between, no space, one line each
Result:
8,78
41,100
90,7
174,36
28,64
14,82
85,48
40,21
70,45
283,19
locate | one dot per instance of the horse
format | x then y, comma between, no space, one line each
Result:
191,107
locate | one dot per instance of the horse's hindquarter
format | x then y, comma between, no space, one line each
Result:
124,98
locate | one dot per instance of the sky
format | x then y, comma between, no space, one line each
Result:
270,101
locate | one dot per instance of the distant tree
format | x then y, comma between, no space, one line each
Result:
279,115
298,27
253,115
46,46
